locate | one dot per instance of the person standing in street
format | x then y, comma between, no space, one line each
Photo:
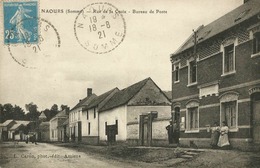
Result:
176,133
223,141
169,129
215,131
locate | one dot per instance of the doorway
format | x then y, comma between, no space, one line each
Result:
177,120
143,131
145,128
256,117
79,131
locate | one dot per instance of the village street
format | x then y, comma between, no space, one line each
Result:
71,155
44,155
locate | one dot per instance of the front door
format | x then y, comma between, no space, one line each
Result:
79,131
256,121
61,136
145,134
111,133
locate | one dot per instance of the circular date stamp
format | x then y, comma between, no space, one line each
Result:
35,54
100,27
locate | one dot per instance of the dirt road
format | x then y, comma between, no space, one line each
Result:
43,155
70,155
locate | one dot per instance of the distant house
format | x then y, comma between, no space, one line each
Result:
65,128
137,115
4,128
14,129
56,132
44,131
216,78
75,117
90,117
19,130
43,128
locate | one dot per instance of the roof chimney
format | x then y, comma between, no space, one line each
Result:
245,1
89,92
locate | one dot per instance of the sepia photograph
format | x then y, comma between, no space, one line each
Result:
127,84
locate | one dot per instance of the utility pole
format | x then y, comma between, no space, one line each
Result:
195,41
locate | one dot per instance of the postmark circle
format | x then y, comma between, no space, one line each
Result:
34,54
100,27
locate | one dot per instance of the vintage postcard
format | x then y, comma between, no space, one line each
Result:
89,83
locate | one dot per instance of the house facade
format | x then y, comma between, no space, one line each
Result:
43,128
216,77
137,115
57,132
14,129
90,117
19,130
75,117
4,129
44,131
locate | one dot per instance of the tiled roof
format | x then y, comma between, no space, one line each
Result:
18,124
42,115
61,114
66,122
44,126
168,94
124,96
99,99
85,101
7,122
231,19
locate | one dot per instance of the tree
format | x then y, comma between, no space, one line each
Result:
18,113
63,107
50,113
33,114
54,108
2,119
7,110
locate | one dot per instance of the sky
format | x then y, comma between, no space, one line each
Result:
62,75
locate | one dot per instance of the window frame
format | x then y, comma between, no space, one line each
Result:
229,108
89,128
193,125
79,115
192,105
225,99
225,44
176,71
190,82
229,60
256,44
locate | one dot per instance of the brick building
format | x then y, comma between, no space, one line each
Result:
216,77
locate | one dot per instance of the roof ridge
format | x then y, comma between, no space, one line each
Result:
145,81
79,104
201,26
100,96
121,93
222,24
